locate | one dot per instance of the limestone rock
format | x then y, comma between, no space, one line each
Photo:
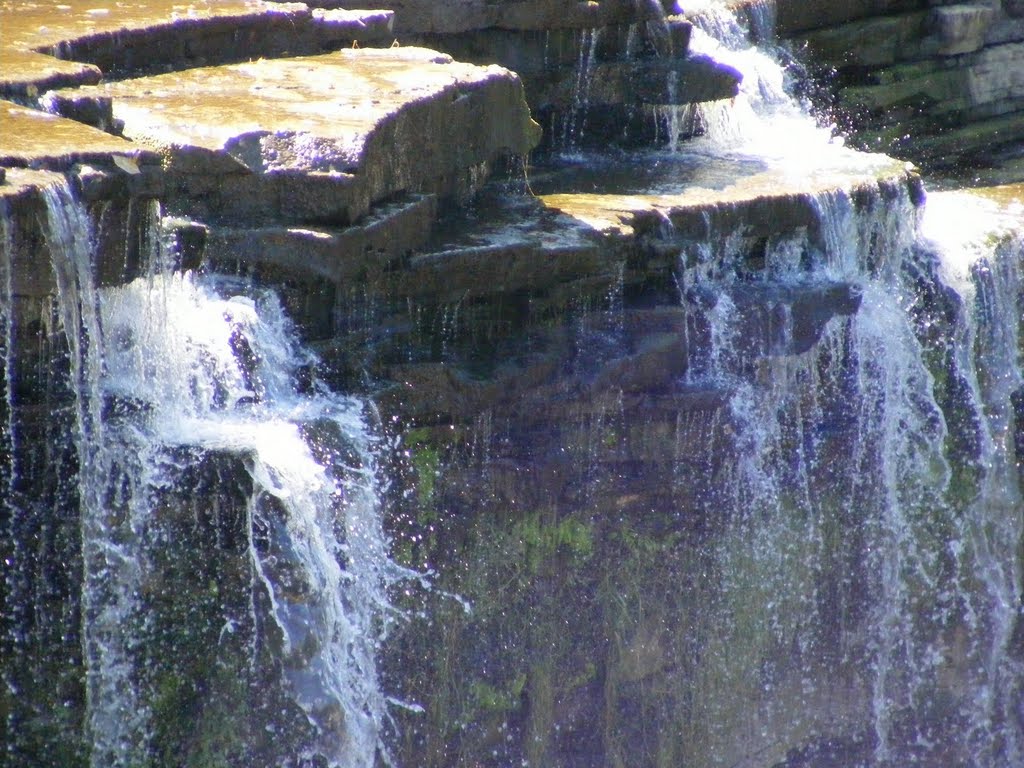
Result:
323,138
996,76
85,39
33,139
874,42
800,15
431,16
645,81
941,85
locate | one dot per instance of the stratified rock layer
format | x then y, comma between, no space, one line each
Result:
942,84
76,42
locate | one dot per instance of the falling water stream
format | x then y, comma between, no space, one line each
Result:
927,465
170,372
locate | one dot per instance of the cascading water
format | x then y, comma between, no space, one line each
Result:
874,497
979,248
764,119
235,565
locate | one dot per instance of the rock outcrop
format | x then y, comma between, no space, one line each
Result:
592,70
319,138
939,83
75,43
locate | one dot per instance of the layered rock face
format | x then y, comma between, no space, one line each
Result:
941,83
642,424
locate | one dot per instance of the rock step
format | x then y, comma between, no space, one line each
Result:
30,138
80,41
430,16
320,138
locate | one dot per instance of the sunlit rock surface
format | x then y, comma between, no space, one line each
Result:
30,138
572,383
429,16
323,138
89,39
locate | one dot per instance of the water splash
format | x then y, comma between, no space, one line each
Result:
763,119
219,373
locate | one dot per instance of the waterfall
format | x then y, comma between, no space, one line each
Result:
980,252
764,119
219,483
6,344
575,121
874,500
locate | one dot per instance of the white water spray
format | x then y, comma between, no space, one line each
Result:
763,119
179,365
943,572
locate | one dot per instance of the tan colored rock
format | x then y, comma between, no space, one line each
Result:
33,139
760,204
323,138
452,16
49,45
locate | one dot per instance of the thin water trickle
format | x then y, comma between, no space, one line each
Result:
575,122
6,348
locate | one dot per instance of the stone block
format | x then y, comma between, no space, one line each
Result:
997,74
876,42
961,28
800,15
30,138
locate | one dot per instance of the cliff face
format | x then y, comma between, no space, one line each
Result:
658,430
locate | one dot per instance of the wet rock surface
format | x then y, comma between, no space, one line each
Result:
538,352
